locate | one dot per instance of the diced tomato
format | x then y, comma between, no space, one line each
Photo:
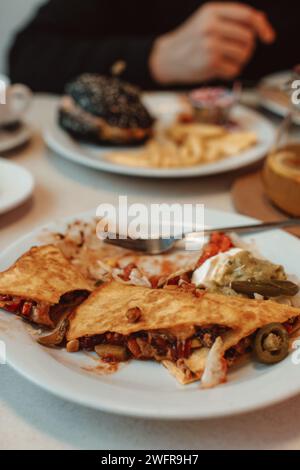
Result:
5,298
127,271
26,309
225,244
174,281
218,243
154,281
133,347
209,251
288,327
215,237
13,306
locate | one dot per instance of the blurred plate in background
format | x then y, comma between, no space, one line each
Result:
273,98
165,107
16,185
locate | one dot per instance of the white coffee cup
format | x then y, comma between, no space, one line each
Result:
14,101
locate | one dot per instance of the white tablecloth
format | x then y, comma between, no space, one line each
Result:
31,418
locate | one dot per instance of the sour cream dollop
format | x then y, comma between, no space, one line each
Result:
212,269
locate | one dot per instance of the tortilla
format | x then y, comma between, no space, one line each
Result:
105,310
42,274
161,309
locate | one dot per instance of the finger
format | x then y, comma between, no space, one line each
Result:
235,51
228,70
264,29
241,13
235,31
235,11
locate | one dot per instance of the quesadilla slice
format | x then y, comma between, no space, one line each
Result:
175,327
41,286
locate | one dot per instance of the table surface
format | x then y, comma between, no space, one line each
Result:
31,418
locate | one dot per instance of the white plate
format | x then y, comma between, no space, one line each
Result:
16,185
276,104
10,140
146,389
164,106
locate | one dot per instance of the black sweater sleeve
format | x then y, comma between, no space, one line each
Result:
70,37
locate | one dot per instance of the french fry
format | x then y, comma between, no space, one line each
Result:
183,145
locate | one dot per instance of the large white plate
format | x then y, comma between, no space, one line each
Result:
164,106
279,102
146,389
16,185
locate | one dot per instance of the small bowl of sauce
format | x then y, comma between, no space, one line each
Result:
212,104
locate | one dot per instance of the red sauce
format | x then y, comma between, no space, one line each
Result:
218,243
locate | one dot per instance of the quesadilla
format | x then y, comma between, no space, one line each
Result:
41,286
175,327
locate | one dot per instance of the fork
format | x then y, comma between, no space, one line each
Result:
155,246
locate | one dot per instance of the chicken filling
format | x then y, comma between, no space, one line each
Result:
157,344
175,345
41,313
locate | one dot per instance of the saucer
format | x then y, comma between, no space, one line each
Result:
16,185
14,136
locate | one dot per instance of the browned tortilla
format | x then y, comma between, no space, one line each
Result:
42,274
105,310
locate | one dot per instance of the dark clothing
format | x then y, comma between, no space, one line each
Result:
69,37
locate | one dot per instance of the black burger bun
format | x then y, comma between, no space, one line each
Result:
104,110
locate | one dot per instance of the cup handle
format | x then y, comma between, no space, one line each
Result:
20,96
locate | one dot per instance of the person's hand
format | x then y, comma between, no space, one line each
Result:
217,41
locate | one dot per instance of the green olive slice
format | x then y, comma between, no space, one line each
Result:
270,288
271,343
